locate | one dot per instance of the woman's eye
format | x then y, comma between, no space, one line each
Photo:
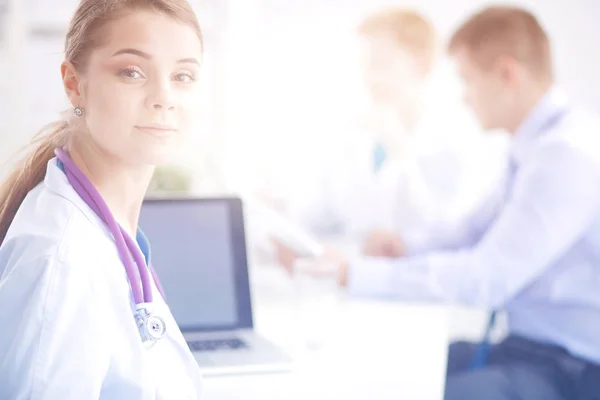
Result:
185,78
131,73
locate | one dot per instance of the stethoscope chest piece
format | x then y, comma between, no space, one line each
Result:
152,327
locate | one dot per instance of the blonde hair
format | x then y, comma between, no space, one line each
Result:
505,31
83,36
408,29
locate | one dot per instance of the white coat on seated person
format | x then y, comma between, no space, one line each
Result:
435,174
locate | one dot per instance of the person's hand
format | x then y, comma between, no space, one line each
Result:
285,256
382,243
333,256
332,261
331,264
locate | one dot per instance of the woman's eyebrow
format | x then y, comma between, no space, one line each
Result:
136,52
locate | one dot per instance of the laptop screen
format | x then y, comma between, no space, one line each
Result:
199,253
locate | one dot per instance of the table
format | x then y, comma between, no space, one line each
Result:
366,349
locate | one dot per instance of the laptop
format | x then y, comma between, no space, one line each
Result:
198,249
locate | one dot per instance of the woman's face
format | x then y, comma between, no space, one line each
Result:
140,89
390,72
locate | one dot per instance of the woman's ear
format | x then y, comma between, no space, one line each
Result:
71,83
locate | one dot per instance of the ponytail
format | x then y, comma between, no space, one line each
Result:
29,171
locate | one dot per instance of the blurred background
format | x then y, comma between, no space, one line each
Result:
282,87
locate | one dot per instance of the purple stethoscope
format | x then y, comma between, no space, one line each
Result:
152,327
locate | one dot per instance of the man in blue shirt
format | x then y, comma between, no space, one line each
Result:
533,249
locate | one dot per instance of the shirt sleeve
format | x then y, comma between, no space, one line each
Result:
463,233
554,200
53,344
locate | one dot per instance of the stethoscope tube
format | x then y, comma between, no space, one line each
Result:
151,327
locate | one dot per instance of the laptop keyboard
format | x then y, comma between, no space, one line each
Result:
217,344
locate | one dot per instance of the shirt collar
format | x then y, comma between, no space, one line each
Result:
543,116
144,244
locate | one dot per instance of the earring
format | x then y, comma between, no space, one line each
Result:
78,111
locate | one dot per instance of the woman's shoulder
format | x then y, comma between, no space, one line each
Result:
56,289
50,226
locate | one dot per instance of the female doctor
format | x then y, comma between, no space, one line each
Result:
82,316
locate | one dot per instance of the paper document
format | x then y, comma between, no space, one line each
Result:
284,229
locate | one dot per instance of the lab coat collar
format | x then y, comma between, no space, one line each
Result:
542,118
57,182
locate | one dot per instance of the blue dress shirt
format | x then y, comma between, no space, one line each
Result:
532,249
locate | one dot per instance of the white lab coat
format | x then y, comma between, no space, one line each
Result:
445,167
66,308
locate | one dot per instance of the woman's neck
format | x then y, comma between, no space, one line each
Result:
122,186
